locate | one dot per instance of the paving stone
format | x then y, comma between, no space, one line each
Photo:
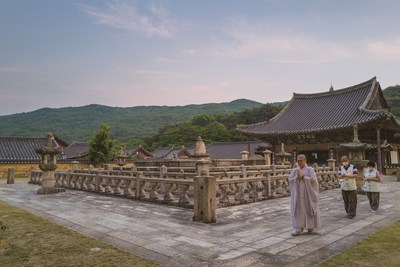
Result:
266,242
277,248
234,253
257,234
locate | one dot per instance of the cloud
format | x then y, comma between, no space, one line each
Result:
127,17
148,72
167,60
387,50
152,72
10,69
259,40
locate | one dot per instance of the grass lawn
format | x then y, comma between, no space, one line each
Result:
379,249
33,241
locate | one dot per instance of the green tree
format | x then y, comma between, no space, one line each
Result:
102,149
212,128
392,96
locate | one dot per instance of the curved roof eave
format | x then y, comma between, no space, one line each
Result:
381,114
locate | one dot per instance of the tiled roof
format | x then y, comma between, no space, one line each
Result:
22,149
161,152
170,153
137,151
231,150
333,110
76,150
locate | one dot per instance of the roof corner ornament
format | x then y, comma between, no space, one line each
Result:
331,88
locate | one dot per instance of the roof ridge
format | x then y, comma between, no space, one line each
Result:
21,137
338,91
237,142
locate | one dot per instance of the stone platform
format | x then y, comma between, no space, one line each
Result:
255,234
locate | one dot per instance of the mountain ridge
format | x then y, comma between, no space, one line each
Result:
78,123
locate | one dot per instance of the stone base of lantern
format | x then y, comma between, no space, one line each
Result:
50,190
48,184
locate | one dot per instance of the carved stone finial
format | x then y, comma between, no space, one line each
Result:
200,147
50,136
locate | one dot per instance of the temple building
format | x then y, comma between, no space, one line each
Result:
330,124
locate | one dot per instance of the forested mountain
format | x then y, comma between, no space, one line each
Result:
78,123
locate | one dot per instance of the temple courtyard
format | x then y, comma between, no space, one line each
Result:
257,234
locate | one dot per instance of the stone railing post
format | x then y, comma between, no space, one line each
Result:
163,175
398,174
30,173
133,170
10,175
139,193
267,157
243,171
96,183
209,205
198,193
204,198
203,167
267,192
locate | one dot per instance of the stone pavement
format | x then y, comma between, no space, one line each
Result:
255,234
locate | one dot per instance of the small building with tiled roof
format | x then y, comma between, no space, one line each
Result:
137,152
80,150
77,150
172,153
22,149
316,124
19,153
232,150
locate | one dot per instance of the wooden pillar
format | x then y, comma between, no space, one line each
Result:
378,149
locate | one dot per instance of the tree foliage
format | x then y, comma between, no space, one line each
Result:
212,128
102,149
392,96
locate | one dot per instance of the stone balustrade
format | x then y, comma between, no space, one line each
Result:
203,192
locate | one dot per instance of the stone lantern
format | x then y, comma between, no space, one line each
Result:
48,165
121,158
331,161
283,156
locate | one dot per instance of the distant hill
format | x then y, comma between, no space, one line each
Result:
78,123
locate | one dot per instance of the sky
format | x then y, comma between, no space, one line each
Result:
70,53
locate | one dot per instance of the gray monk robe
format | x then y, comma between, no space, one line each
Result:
304,199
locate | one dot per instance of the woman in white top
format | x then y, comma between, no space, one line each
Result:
372,178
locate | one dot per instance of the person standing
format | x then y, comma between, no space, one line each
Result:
304,191
372,178
347,174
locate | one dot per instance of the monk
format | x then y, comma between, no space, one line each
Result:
304,190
